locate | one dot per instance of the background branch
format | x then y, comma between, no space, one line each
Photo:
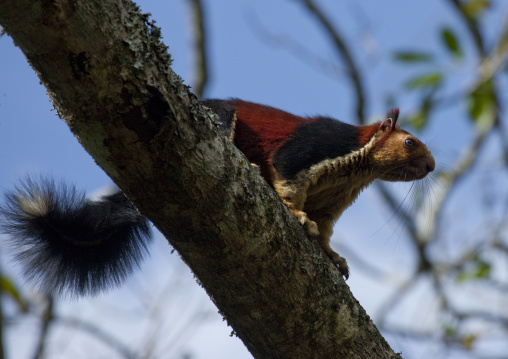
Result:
98,333
343,51
201,71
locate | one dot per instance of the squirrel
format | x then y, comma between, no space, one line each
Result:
317,165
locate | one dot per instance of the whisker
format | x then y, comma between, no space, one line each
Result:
396,212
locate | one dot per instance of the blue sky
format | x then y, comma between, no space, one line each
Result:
245,64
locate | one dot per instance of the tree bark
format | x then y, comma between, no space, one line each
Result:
109,78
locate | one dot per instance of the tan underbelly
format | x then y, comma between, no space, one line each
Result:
331,199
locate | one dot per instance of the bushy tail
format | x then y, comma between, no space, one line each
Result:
68,244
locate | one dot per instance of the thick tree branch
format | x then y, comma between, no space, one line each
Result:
108,75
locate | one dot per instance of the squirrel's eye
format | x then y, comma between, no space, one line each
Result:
409,143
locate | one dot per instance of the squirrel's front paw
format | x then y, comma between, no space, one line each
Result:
341,264
311,228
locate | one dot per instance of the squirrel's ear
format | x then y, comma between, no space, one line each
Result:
388,124
391,119
393,114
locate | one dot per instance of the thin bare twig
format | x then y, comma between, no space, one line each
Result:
394,299
200,48
47,319
293,46
448,180
345,54
472,26
365,266
97,333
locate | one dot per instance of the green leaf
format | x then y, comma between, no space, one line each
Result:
412,57
468,341
463,277
432,79
482,102
450,330
417,120
482,270
7,286
474,8
451,42
476,269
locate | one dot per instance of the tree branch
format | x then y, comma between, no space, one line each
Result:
200,52
110,80
47,318
98,334
471,26
345,54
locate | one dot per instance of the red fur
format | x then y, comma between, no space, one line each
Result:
261,130
365,133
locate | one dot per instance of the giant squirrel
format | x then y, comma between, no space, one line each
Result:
317,165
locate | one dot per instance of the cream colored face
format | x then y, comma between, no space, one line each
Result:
403,158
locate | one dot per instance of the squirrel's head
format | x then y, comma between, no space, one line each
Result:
397,155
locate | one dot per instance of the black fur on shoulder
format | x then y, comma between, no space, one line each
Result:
314,142
69,245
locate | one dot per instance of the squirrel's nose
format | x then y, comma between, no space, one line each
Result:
431,164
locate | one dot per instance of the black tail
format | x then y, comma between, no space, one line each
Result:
68,244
